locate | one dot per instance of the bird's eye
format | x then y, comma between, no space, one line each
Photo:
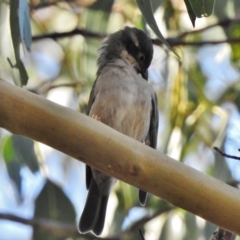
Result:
141,57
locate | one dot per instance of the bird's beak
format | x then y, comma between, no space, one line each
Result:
144,74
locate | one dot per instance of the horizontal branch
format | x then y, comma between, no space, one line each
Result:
96,144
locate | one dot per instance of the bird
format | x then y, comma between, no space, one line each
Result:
121,98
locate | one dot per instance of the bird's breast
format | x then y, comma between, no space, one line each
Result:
124,104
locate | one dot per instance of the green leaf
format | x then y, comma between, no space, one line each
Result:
24,152
104,5
24,24
202,8
16,39
191,13
14,168
208,7
18,151
146,9
222,9
156,4
236,6
8,149
53,204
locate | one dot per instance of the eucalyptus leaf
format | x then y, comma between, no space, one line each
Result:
103,5
24,152
147,12
20,149
24,24
236,6
53,204
13,166
208,7
202,8
221,9
14,169
191,13
8,149
16,39
156,4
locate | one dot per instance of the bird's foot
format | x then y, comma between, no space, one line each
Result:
96,117
147,143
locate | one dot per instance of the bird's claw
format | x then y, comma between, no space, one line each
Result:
147,143
96,117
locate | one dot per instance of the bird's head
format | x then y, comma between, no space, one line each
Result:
130,44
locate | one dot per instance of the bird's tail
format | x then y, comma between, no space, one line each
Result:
93,216
98,228
142,197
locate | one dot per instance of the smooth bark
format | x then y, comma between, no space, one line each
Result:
94,143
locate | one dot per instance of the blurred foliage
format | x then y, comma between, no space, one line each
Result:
202,8
21,33
18,151
195,105
147,12
49,205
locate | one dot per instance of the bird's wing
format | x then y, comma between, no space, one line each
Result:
90,103
91,98
88,176
91,210
152,138
153,129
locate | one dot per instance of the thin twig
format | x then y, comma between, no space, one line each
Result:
83,32
226,22
44,224
225,154
176,42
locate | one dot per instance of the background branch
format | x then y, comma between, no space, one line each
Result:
64,229
226,22
176,41
69,230
84,32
